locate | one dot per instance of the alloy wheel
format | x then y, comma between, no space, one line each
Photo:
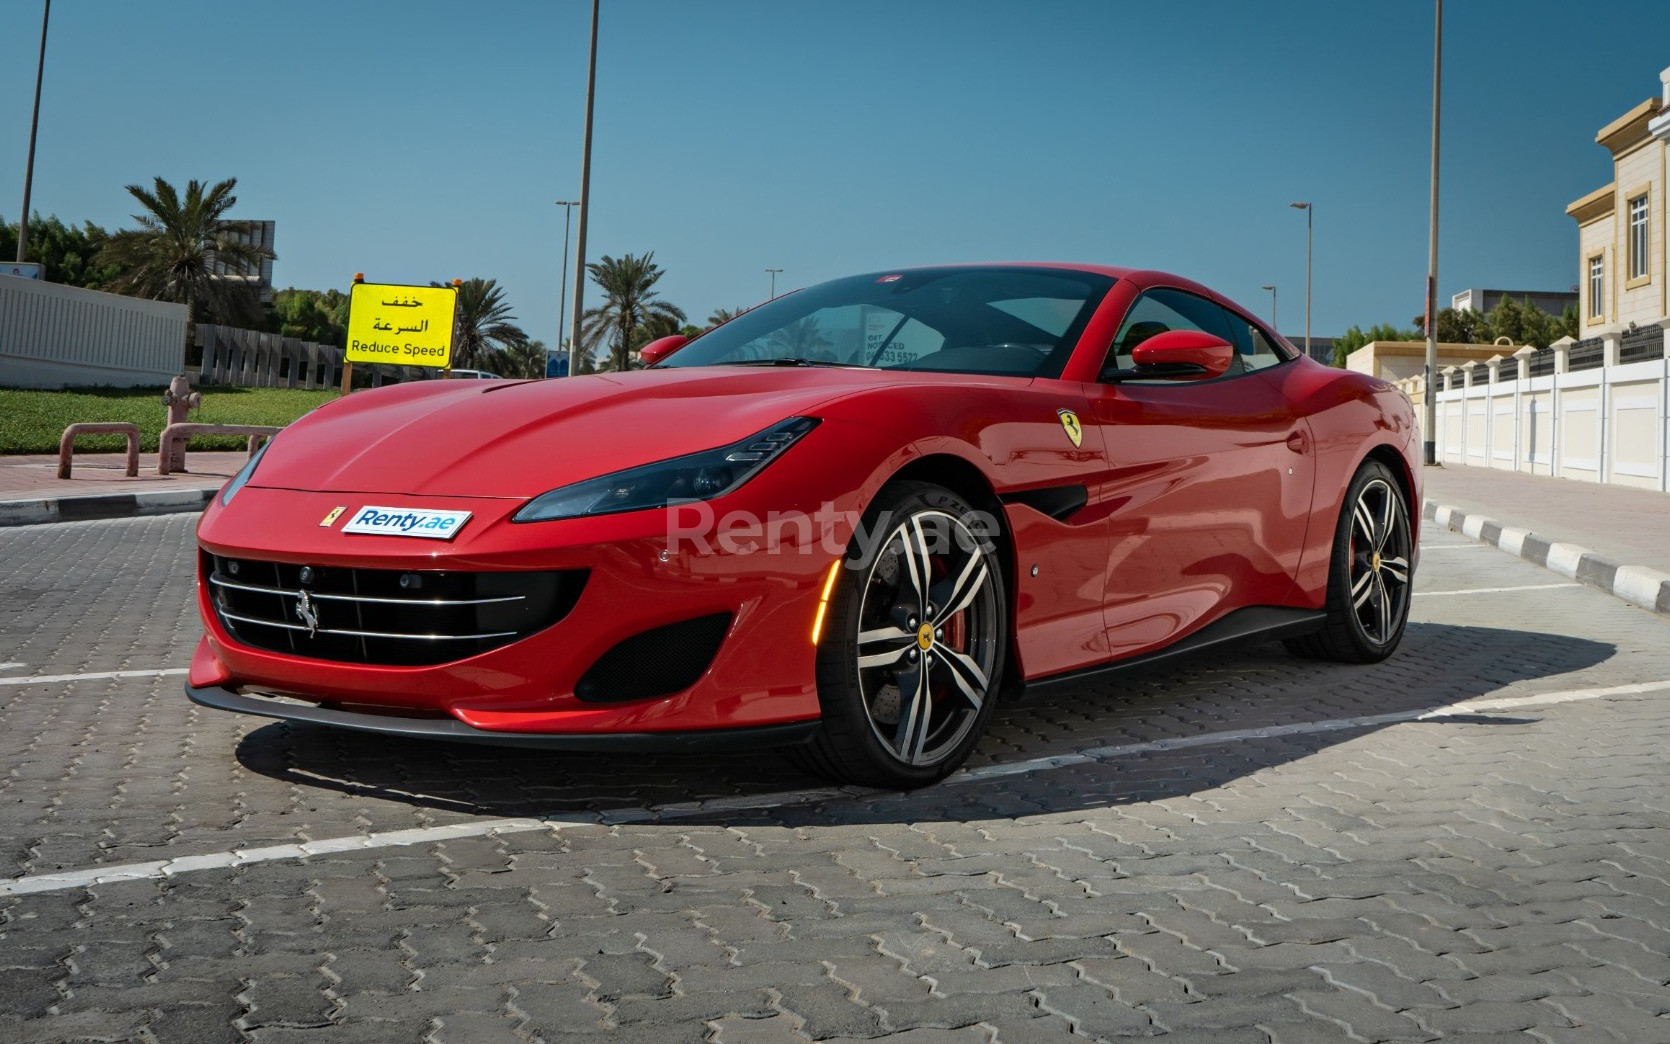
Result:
1379,561
928,637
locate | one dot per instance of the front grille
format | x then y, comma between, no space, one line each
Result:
657,662
403,618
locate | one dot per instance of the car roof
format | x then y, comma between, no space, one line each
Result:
1144,277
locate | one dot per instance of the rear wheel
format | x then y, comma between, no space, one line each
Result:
909,666
1370,576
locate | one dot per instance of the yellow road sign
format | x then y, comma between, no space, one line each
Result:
407,325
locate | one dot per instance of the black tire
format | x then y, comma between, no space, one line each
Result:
1370,576
910,721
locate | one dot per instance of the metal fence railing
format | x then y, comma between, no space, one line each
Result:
231,357
1587,354
1642,344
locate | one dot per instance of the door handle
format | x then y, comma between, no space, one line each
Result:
1297,442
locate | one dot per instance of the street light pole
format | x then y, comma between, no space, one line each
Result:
585,206
1272,288
1309,210
1429,400
562,309
773,272
34,122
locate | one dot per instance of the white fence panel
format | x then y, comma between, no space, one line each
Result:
1606,421
55,336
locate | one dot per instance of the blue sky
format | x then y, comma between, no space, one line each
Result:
425,140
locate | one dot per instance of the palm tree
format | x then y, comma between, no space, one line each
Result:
654,328
723,315
524,360
629,301
485,324
188,252
801,339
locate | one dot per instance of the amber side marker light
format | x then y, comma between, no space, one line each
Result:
823,601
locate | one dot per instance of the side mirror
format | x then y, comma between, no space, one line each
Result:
657,350
1185,355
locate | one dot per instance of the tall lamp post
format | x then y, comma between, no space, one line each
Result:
562,309
1272,288
1309,211
773,272
34,122
585,205
1429,400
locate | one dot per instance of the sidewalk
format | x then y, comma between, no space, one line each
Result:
1612,537
31,491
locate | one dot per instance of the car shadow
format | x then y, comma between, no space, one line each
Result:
1252,687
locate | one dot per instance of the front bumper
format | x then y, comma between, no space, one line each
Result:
638,580
705,741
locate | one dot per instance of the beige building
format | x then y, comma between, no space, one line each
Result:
1395,360
1623,261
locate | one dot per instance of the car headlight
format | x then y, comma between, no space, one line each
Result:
242,477
698,476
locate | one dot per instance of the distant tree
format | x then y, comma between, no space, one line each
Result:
1567,324
1356,337
691,330
524,360
629,301
187,251
1511,320
311,315
1519,321
723,315
485,324
70,254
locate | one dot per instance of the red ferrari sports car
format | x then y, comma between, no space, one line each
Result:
847,523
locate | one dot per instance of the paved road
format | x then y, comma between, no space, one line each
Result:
1469,842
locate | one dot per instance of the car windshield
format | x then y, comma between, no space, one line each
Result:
1006,321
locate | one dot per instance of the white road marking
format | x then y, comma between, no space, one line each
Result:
44,679
10,665
161,868
1494,590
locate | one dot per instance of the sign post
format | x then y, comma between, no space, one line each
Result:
400,325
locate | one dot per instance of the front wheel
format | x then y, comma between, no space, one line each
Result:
1370,576
910,663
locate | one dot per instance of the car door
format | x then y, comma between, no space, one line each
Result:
1208,481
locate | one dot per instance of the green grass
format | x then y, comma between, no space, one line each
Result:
33,421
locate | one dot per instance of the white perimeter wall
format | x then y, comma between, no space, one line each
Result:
54,336
1610,424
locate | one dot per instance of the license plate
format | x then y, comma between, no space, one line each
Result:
431,523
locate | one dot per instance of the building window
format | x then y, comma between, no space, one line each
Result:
1597,286
1639,255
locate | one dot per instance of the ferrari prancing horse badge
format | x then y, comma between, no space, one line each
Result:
1070,424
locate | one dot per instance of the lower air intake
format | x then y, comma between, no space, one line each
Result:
656,662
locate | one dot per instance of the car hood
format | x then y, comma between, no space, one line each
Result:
522,438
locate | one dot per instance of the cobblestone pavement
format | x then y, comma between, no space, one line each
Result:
1226,853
